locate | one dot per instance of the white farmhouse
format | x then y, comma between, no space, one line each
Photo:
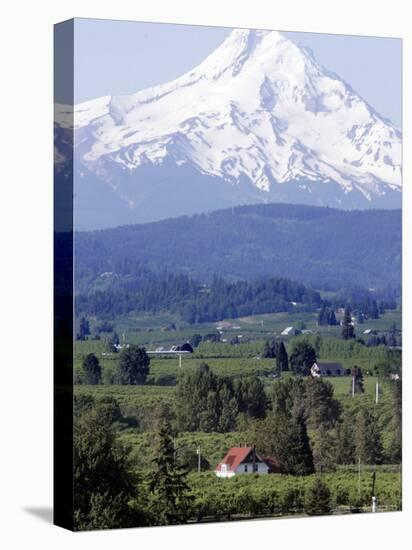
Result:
244,460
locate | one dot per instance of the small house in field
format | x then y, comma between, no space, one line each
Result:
327,369
244,460
290,331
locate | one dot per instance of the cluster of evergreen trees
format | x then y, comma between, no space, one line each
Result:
210,403
327,316
279,423
338,435
108,492
133,368
195,302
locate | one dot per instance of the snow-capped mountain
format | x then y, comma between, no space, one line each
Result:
258,120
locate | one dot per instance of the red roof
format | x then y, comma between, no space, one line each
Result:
235,456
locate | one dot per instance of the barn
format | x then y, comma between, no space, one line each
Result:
327,369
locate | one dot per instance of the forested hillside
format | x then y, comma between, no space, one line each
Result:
322,247
147,292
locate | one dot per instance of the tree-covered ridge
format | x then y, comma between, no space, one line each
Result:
323,247
196,303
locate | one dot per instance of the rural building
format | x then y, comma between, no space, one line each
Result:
245,460
184,347
327,369
290,331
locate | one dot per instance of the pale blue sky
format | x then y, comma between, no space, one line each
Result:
122,57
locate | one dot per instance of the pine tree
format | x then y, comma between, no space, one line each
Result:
169,498
374,310
291,445
332,318
345,450
322,409
92,369
84,329
356,382
282,360
318,499
104,481
269,349
251,396
367,438
348,331
324,450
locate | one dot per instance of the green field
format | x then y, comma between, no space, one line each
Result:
152,330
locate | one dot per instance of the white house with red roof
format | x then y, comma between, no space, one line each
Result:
243,460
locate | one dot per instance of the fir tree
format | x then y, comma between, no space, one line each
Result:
374,310
332,318
282,360
356,382
84,329
269,349
318,499
291,446
367,438
322,409
92,369
169,492
104,482
345,450
348,330
324,450
251,396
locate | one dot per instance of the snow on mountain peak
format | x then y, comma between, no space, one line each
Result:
258,108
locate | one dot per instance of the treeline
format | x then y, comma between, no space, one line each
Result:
132,368
352,352
322,247
370,302
194,302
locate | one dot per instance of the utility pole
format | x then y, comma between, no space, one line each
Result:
377,393
180,360
374,491
359,479
353,386
198,459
